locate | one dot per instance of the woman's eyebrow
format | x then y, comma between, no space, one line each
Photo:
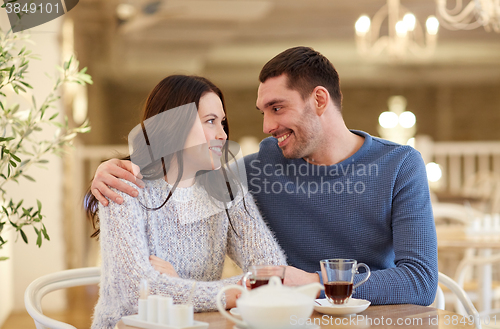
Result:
215,115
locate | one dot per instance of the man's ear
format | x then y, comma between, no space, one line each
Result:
321,98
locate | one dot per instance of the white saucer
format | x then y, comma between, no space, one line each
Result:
353,306
133,320
305,326
235,312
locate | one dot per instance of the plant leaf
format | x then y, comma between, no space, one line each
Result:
39,239
15,157
26,84
6,139
23,235
19,204
29,178
44,231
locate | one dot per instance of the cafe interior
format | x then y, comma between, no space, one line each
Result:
420,72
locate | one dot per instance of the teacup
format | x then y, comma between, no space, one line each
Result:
338,278
259,275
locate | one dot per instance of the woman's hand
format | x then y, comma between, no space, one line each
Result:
231,296
163,266
107,175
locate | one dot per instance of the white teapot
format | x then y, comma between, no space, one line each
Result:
272,306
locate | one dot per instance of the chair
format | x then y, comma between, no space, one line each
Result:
456,213
484,185
486,288
490,319
439,302
54,281
450,217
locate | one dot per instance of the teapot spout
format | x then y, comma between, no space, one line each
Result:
311,289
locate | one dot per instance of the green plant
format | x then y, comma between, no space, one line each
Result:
21,146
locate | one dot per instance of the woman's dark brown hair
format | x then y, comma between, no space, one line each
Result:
170,93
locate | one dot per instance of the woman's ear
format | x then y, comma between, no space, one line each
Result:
321,98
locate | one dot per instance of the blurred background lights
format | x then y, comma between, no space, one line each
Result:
407,119
434,172
125,11
411,142
409,20
397,124
362,25
388,119
401,29
432,25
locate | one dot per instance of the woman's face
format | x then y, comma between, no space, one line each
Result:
204,143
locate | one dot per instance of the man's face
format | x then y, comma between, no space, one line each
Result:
288,118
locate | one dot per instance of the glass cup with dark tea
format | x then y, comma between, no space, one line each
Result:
259,275
338,278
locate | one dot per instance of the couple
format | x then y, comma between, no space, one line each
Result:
323,190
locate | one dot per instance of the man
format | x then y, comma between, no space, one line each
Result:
328,192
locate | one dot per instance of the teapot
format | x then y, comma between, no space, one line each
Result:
272,306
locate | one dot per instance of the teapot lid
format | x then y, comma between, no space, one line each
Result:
272,294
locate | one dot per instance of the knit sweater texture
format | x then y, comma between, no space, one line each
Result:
373,207
191,232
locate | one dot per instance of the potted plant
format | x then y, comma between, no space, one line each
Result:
20,144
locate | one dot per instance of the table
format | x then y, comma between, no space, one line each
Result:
410,317
455,237
477,202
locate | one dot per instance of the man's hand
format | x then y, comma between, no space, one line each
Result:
296,277
163,266
107,175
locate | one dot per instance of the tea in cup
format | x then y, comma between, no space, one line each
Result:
338,278
259,275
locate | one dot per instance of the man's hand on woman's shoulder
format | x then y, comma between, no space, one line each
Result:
107,175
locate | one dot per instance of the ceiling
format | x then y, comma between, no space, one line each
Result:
230,40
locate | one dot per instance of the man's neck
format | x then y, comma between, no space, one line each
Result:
338,146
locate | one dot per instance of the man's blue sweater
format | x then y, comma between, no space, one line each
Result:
373,207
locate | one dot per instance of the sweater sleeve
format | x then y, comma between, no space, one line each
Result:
251,242
415,277
125,261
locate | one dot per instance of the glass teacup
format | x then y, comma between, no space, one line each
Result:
259,275
338,277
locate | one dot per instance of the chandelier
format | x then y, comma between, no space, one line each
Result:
405,34
477,13
397,124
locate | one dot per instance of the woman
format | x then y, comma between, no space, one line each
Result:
183,218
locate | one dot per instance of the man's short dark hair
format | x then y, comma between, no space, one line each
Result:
306,69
